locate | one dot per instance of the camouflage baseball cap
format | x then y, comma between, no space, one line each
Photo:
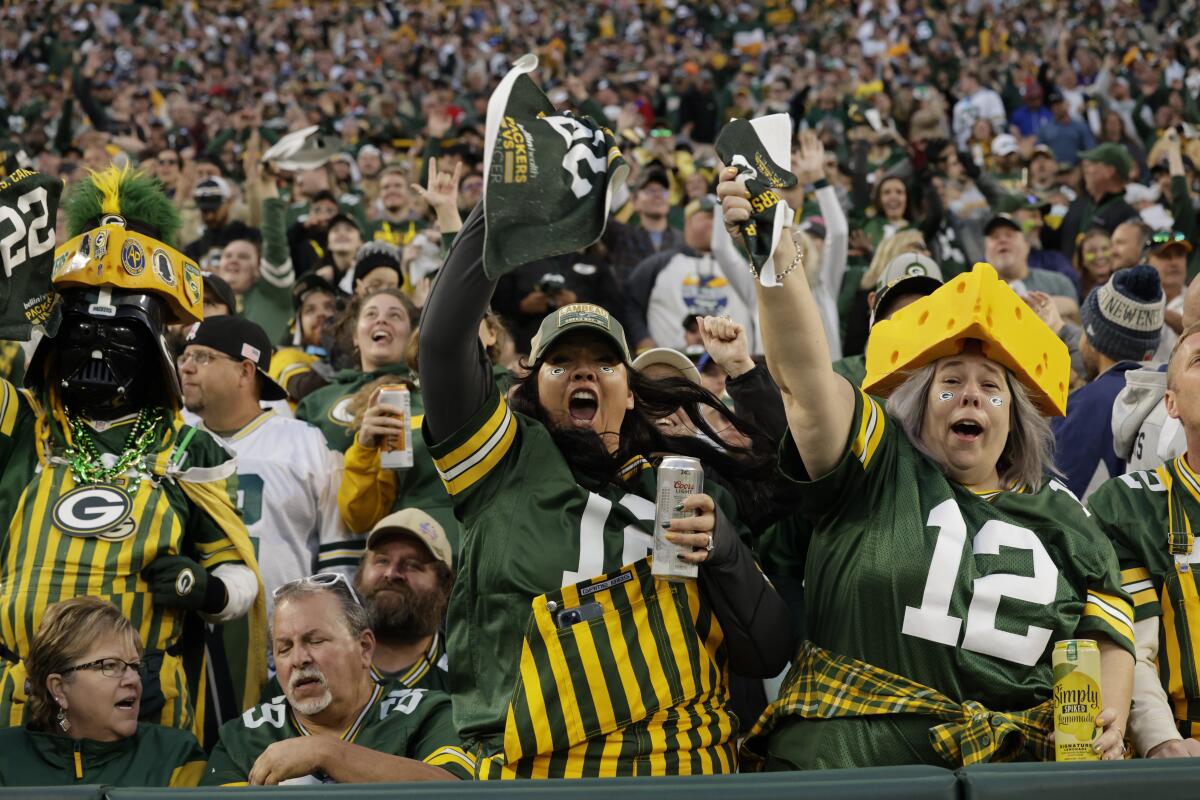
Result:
576,317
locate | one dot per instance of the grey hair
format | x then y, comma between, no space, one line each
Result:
354,616
1028,455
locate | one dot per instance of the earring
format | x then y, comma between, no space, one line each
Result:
63,722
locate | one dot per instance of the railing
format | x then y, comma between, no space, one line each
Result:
1140,779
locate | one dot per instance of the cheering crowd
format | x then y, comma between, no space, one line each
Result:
937,356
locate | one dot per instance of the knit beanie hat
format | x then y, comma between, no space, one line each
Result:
1124,317
377,254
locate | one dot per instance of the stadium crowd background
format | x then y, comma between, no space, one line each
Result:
1058,141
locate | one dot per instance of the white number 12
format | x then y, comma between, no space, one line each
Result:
932,620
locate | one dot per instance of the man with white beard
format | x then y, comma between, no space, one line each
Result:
334,722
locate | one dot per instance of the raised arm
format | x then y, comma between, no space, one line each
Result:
819,403
455,373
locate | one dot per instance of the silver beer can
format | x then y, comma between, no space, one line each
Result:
678,478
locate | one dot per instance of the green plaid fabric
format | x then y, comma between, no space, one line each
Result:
825,685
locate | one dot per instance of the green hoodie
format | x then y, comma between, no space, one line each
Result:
326,407
154,756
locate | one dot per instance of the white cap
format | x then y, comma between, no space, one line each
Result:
670,358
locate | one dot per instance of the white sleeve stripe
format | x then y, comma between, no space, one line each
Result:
870,431
483,451
1108,609
1138,586
454,753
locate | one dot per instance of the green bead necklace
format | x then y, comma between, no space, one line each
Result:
84,457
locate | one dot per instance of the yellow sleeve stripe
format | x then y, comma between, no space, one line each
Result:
291,371
1134,574
209,548
467,471
1144,597
870,430
188,774
222,557
1111,609
9,402
451,460
451,755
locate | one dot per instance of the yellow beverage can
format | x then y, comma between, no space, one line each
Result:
1076,666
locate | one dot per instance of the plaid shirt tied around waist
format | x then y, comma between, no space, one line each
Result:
825,685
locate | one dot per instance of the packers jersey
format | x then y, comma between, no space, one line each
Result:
328,407
964,593
64,539
413,723
287,488
396,233
1138,511
567,658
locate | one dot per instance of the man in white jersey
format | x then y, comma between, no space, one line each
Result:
287,476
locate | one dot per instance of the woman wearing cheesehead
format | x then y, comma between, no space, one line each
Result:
945,560
566,657
85,687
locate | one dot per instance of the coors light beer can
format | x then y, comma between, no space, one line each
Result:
396,452
1076,666
678,477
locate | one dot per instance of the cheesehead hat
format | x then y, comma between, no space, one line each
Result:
974,305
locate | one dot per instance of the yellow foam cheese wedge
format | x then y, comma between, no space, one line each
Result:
974,305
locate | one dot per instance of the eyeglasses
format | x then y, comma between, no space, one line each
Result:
109,667
1167,237
328,580
201,357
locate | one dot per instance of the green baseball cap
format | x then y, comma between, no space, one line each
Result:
578,317
1111,153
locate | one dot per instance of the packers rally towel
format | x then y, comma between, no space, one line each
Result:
550,176
757,148
28,212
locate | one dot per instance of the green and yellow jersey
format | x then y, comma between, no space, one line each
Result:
963,593
395,233
430,671
413,723
567,658
64,539
1151,517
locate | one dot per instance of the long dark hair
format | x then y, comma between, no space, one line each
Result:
745,471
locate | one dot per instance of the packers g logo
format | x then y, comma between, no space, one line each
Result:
101,511
339,412
185,583
192,281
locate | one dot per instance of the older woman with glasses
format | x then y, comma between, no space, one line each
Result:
85,686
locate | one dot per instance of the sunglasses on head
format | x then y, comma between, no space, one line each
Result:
1167,237
329,580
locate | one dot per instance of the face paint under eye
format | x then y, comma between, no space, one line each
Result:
557,370
609,370
996,401
946,396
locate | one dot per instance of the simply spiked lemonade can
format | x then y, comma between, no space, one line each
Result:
1076,669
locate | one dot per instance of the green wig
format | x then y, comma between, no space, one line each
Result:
133,195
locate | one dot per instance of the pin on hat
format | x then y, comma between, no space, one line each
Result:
417,524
